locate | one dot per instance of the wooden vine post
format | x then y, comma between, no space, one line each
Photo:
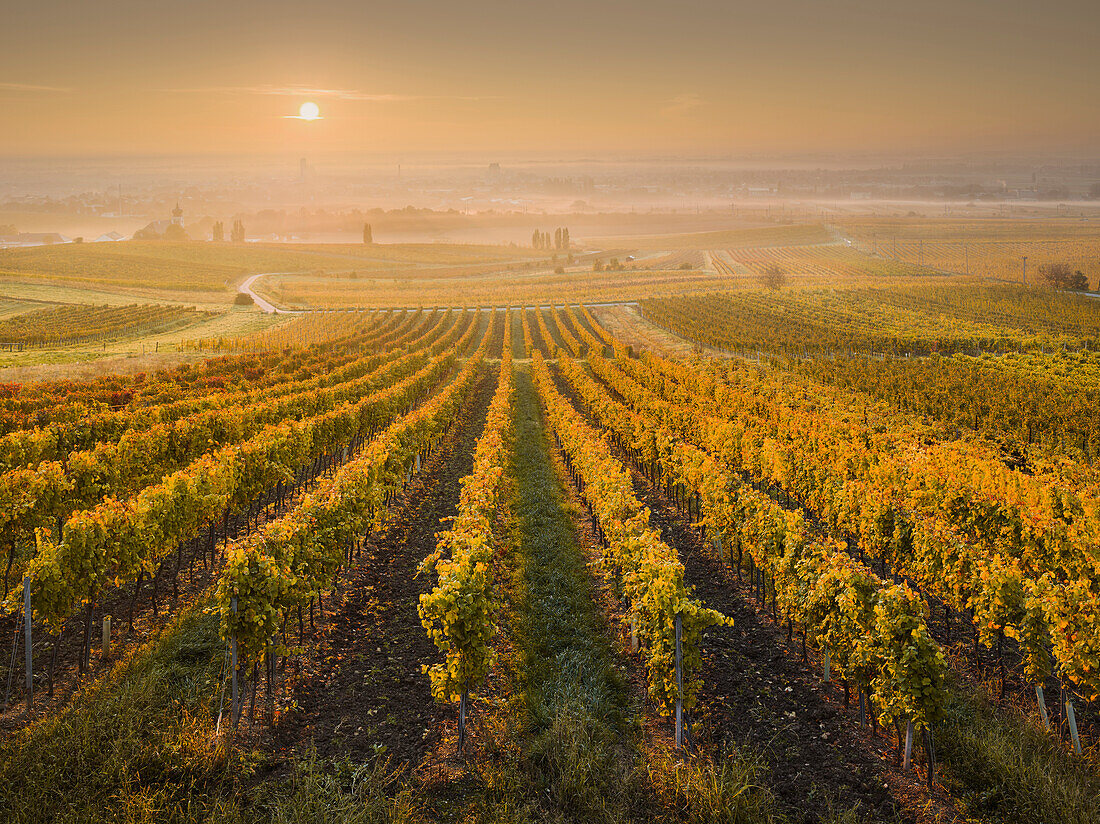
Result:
930,752
462,719
27,615
679,685
908,745
1071,717
233,669
1041,699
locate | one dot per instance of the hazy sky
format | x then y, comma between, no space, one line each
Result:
571,76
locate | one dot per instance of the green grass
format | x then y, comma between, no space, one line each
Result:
570,746
1003,768
138,745
572,701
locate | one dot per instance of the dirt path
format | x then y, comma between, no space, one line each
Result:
362,692
759,695
536,333
628,326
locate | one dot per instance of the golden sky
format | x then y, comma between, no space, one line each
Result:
642,77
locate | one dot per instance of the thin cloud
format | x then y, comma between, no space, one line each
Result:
30,87
682,104
308,91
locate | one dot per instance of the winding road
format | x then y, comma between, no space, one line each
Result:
270,308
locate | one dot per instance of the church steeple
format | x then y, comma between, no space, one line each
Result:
177,215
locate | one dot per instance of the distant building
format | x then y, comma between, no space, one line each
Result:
109,237
34,239
171,229
305,171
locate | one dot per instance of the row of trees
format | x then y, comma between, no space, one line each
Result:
236,233
543,240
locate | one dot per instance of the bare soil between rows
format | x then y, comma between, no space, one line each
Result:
361,691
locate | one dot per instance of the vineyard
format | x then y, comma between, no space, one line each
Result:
65,325
509,562
836,262
986,248
904,320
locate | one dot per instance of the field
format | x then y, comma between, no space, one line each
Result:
210,272
815,550
68,324
992,249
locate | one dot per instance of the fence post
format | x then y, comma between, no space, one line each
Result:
679,686
827,667
27,615
106,650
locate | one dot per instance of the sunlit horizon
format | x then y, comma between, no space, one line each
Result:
699,79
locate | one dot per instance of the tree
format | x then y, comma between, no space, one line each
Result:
175,232
557,238
219,232
1063,276
565,238
773,278
536,239
368,234
237,234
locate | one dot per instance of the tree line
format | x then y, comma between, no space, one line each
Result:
543,240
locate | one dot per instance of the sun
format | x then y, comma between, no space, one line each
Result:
309,111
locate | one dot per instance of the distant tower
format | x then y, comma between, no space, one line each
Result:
177,215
